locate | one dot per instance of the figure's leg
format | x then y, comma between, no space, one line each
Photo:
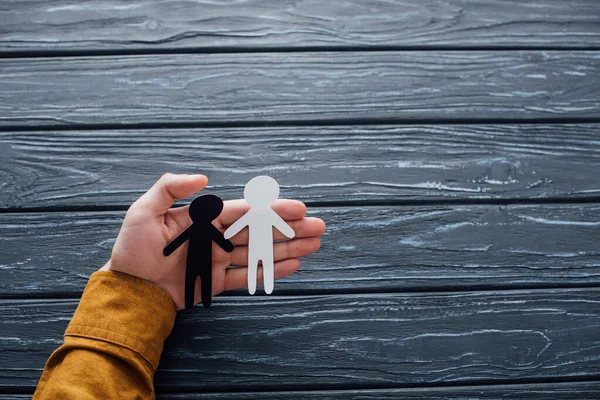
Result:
252,268
268,272
206,283
190,285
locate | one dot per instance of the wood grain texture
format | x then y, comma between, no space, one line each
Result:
368,248
280,343
293,87
38,25
576,390
323,164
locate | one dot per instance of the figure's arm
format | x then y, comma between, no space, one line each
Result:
220,240
281,225
113,344
178,241
236,227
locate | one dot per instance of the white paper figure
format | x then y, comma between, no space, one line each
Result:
260,193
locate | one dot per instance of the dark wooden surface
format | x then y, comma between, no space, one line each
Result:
365,248
583,391
452,147
368,164
286,87
150,25
345,341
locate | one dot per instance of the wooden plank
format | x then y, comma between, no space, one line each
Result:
38,25
346,341
293,87
364,248
578,390
323,164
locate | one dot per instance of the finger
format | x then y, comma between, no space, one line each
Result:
290,249
234,209
169,188
305,227
237,278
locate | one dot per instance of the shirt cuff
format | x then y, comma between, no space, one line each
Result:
127,311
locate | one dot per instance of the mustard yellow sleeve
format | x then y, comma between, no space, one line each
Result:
113,344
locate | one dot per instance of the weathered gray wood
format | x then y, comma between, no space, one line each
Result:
370,248
228,88
308,342
151,24
345,163
576,390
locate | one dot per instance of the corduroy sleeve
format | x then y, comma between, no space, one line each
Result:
113,343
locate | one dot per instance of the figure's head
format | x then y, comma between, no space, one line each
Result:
205,208
261,191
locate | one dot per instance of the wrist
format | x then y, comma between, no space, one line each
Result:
110,266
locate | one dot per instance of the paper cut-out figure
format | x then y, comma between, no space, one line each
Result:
260,192
203,210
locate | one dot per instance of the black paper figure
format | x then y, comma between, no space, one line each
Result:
203,210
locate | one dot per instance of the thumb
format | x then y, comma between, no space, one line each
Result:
169,188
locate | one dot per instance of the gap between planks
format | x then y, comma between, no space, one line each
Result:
424,385
275,50
417,291
341,204
325,389
298,123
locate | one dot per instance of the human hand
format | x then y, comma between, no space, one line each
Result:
150,225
